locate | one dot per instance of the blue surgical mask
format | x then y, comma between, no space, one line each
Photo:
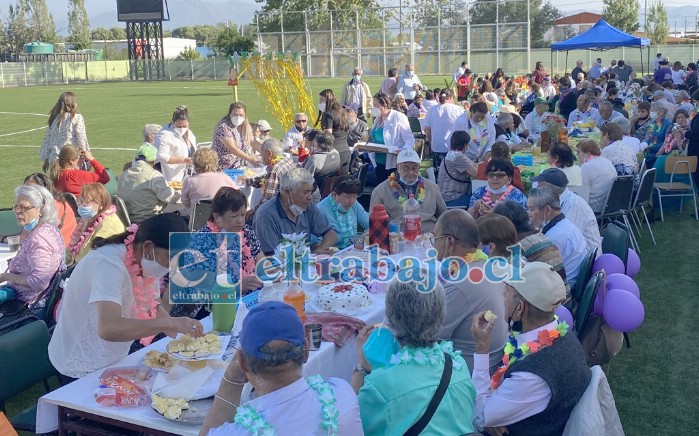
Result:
29,227
499,191
86,212
403,181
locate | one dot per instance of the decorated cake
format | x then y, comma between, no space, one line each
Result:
342,297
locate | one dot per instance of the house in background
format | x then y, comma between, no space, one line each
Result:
572,25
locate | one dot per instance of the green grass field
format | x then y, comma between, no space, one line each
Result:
653,382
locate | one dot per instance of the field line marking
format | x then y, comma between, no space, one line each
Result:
24,131
91,147
23,113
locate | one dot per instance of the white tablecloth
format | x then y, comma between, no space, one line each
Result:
5,256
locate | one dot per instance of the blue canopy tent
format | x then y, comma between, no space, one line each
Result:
601,36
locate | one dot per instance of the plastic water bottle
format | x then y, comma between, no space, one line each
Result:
7,294
412,225
295,297
267,293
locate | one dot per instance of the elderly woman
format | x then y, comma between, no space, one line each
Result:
112,299
64,212
342,210
206,181
506,132
416,108
481,129
561,156
661,125
499,188
500,151
325,159
455,172
394,192
616,150
66,126
597,172
399,104
67,175
98,219
234,141
408,349
41,250
175,144
390,128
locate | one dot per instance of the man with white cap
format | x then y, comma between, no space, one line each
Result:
544,372
272,352
394,192
265,128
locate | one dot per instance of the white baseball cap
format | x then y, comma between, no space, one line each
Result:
541,286
264,126
409,156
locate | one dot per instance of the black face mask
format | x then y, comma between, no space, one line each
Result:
515,326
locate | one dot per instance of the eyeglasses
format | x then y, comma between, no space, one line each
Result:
434,238
496,175
86,202
16,208
301,121
409,168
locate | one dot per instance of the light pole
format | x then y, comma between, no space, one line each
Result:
645,18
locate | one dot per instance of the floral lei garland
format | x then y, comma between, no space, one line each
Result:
472,131
420,191
78,238
146,291
247,260
433,355
503,196
512,352
250,420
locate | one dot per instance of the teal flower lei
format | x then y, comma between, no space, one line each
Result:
250,420
433,355
346,232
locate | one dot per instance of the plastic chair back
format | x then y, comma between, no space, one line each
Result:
477,184
121,210
362,175
200,214
415,126
645,188
587,302
583,275
675,165
616,240
8,223
72,200
111,185
24,360
430,175
619,196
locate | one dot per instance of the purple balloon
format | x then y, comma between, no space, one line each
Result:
622,281
623,311
564,315
633,263
610,263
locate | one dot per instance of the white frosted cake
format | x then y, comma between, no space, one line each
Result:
341,297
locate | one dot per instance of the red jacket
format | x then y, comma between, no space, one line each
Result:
70,180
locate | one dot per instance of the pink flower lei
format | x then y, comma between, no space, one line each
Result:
248,266
77,240
146,291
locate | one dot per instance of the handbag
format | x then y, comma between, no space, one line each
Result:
421,423
452,177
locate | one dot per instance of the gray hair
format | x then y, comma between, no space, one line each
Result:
274,145
151,130
300,114
461,225
545,196
515,213
504,119
294,178
682,96
40,198
279,354
665,106
325,141
415,317
606,104
624,123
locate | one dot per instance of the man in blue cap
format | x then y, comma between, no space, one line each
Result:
272,352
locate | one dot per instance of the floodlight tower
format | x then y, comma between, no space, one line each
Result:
144,33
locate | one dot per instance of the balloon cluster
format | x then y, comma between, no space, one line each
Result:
620,301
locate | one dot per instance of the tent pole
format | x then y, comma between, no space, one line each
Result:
566,69
642,73
551,64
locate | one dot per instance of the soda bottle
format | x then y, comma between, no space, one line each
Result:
295,297
267,293
412,225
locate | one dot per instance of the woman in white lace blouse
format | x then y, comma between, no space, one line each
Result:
66,126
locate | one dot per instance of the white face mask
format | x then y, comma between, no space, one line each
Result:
152,269
180,131
409,73
653,115
321,106
295,209
357,77
237,120
375,112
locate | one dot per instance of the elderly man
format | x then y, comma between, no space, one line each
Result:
358,93
596,70
578,70
294,136
358,129
548,89
583,113
393,193
544,209
439,126
532,122
149,132
409,85
607,113
456,237
277,164
533,395
573,206
143,189
291,211
272,352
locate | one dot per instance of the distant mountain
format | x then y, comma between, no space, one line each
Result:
182,13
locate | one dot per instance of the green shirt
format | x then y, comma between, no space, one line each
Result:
394,397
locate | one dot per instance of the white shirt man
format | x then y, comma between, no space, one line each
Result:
439,125
532,122
294,136
460,71
409,84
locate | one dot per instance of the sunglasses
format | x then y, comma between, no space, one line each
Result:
301,121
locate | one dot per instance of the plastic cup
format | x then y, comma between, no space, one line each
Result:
13,243
224,309
314,332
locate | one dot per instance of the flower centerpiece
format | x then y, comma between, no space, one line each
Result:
555,125
291,253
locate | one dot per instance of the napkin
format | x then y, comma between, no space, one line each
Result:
336,328
189,385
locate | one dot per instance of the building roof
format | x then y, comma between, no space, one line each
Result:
581,18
